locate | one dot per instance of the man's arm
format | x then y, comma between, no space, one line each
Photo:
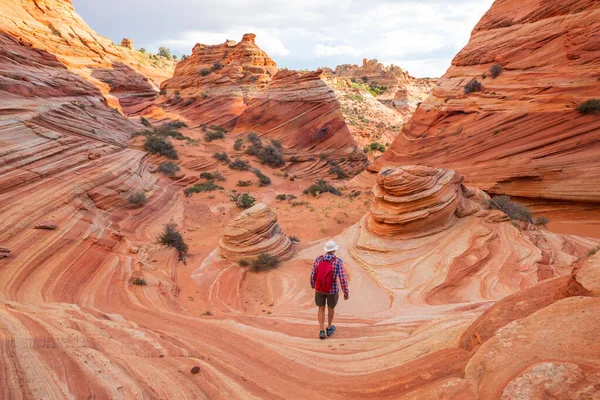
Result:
313,276
343,281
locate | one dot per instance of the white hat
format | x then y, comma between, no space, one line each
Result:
330,246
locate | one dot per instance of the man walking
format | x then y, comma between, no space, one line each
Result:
326,271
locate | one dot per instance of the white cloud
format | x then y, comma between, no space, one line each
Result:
342,50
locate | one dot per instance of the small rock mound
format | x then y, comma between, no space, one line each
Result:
414,201
253,232
48,225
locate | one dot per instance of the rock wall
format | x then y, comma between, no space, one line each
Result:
520,135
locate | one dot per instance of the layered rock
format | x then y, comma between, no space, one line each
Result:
417,201
237,86
520,135
255,231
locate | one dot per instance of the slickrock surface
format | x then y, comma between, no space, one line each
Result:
255,231
241,89
521,134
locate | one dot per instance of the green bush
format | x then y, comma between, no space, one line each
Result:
253,138
145,122
242,200
244,262
175,125
376,146
321,186
167,131
281,197
217,66
138,281
276,144
164,52
211,135
239,165
168,168
170,237
264,262
216,176
204,72
513,209
495,70
222,157
473,86
244,183
376,90
591,106
338,171
239,143
262,178
293,159
201,187
271,156
159,145
138,198
541,221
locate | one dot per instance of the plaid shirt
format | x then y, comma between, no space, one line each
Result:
338,273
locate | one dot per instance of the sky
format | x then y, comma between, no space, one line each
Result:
421,37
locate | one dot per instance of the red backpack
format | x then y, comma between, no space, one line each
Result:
324,276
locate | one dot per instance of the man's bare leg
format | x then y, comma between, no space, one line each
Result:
330,316
321,316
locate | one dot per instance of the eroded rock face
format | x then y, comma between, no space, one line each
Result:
416,201
128,43
520,135
237,86
255,231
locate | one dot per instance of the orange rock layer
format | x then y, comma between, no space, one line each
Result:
520,135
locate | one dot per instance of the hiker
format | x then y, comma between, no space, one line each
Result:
326,271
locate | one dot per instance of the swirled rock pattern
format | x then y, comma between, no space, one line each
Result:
417,201
255,231
520,135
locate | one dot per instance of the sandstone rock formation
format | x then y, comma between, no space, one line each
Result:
255,231
521,134
48,225
237,86
128,43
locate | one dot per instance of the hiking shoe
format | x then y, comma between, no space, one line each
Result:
330,330
322,335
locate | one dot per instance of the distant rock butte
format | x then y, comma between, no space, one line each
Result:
521,134
255,231
237,86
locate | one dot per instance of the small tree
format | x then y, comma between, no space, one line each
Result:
164,52
170,237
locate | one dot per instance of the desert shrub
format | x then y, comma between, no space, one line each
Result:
138,198
264,262
591,106
212,176
175,125
242,200
167,131
377,146
168,168
513,209
322,157
244,262
338,172
293,159
473,86
222,157
170,237
495,70
211,135
158,145
321,186
201,187
294,239
244,183
138,281
217,66
376,90
164,52
204,72
299,203
281,197
145,122
253,138
239,143
184,57
593,251
270,155
218,129
541,221
276,144
239,165
262,178
142,50
254,149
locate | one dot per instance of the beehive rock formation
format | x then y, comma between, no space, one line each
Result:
521,134
417,201
255,231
